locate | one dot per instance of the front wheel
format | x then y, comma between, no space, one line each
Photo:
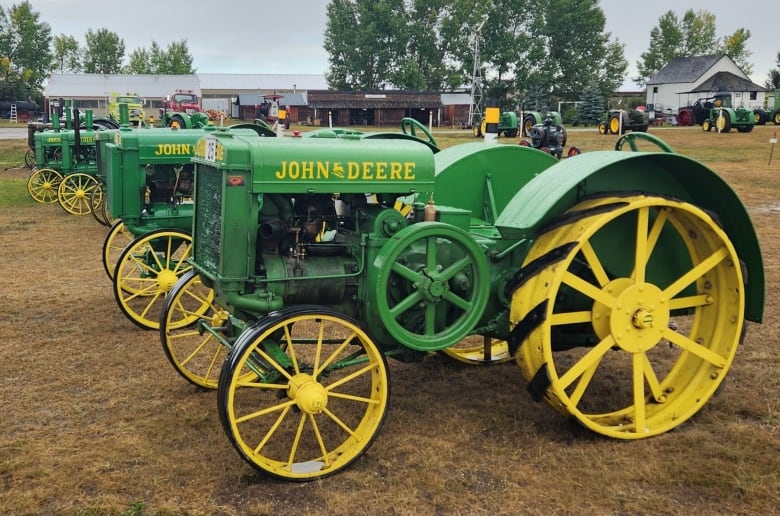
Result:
706,125
632,341
723,123
75,192
194,331
603,129
147,269
42,185
303,393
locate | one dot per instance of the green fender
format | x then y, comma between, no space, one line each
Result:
562,185
483,178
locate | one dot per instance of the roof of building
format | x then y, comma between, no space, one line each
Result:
97,85
685,69
374,99
726,81
266,82
286,99
455,99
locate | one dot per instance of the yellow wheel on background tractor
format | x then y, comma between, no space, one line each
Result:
117,240
189,330
303,393
97,203
42,185
75,192
632,314
479,350
614,124
146,270
706,125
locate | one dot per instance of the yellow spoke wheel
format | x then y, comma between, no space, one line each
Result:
117,240
42,185
97,201
303,394
479,350
146,270
74,193
631,314
187,328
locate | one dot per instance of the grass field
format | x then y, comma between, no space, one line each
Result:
95,421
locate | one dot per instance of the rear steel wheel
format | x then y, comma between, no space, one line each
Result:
42,185
432,284
74,193
631,344
303,393
191,329
146,270
479,350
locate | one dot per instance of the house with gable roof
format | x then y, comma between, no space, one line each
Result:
685,79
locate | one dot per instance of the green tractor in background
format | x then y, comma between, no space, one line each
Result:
770,112
618,121
717,112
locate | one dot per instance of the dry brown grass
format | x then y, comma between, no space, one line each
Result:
95,421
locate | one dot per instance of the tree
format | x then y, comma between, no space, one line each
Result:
67,54
694,35
104,53
735,46
24,51
363,43
175,60
773,80
665,43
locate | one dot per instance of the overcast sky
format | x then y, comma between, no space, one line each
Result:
286,36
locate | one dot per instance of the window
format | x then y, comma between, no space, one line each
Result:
753,95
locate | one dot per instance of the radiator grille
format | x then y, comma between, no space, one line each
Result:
208,219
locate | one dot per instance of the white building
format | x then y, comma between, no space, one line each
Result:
686,79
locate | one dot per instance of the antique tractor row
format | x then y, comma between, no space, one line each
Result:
65,163
618,121
147,182
510,124
618,281
717,113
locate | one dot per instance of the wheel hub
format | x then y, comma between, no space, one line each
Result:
639,317
310,396
432,289
165,280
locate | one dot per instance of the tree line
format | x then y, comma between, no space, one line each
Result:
525,53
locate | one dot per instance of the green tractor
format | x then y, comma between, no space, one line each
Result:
717,113
771,112
507,125
618,121
617,281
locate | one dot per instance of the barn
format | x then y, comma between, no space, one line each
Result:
685,79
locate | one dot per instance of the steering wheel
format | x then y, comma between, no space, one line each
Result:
631,138
409,126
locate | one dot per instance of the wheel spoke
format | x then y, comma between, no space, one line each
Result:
448,273
652,379
431,254
590,359
594,263
456,300
639,391
582,385
640,251
275,426
405,304
690,301
694,347
405,272
590,290
696,272
584,316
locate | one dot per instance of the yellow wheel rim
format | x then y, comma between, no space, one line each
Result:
614,125
319,397
190,321
632,341
117,240
478,350
147,269
42,185
74,193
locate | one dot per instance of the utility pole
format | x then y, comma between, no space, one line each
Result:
475,109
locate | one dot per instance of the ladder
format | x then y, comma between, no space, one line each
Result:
13,114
